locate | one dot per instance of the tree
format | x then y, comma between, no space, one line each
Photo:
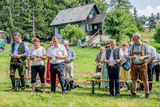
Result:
157,34
9,12
116,22
129,31
158,16
102,5
72,33
138,24
124,4
142,19
152,22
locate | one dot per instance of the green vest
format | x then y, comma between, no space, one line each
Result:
21,50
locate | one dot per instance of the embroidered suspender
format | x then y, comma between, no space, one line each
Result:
137,53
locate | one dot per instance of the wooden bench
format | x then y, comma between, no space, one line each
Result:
30,78
121,81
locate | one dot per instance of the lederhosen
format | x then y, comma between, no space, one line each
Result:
16,63
139,69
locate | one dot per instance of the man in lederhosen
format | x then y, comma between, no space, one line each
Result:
138,53
18,53
113,56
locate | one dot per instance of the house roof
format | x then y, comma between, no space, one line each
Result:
73,15
98,18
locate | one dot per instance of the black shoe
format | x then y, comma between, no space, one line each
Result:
13,89
117,95
38,90
147,95
27,86
63,92
133,95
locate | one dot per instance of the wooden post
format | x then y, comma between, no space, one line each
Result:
92,87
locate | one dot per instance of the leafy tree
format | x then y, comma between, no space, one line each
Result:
157,34
129,31
9,11
102,5
116,22
83,2
72,33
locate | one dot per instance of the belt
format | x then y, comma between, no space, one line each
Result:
111,67
56,63
139,64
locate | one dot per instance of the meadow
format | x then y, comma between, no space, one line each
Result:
84,68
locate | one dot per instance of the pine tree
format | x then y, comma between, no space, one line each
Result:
152,22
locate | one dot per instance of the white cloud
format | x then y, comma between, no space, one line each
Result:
147,11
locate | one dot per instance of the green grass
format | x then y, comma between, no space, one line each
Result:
84,67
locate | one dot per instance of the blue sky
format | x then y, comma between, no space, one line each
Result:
146,7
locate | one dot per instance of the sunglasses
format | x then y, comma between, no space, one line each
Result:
124,45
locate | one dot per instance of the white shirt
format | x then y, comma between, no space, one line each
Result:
111,56
152,52
120,54
37,52
56,51
125,54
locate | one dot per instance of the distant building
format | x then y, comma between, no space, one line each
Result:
146,25
87,17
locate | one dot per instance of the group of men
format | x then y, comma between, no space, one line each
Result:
142,56
60,56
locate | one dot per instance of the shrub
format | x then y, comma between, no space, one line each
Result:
157,34
72,33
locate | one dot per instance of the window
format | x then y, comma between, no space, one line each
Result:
93,14
59,29
89,27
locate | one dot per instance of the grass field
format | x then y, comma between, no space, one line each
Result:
84,67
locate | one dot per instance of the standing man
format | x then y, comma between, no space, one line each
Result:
157,65
18,53
138,53
113,56
57,54
150,64
98,60
69,61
